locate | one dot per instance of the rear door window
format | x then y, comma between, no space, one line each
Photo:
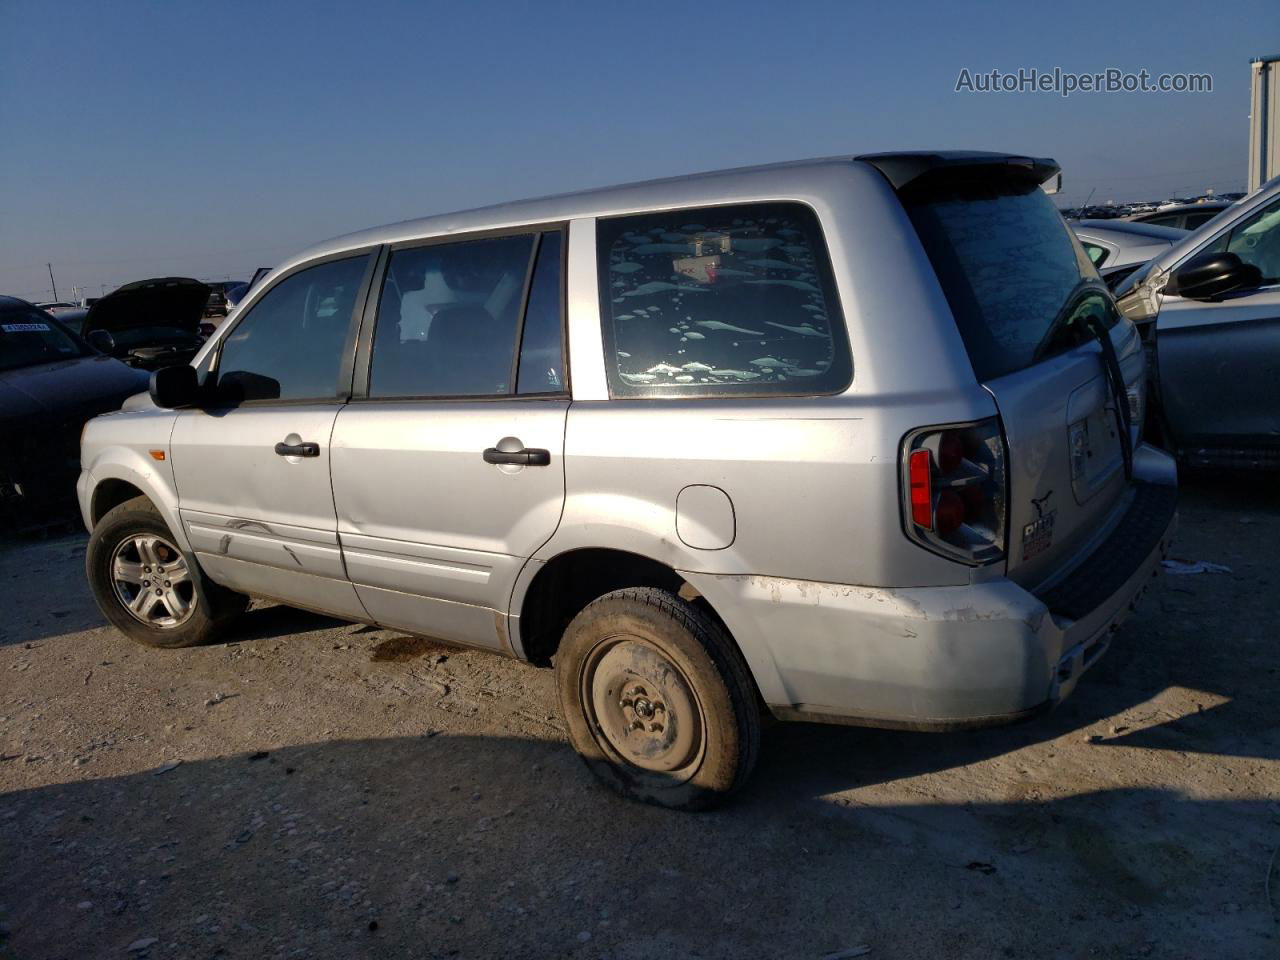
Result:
452,316
541,343
716,301
1007,263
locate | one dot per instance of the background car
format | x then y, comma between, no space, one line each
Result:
216,304
1209,313
1187,216
149,323
1118,247
237,293
57,307
51,382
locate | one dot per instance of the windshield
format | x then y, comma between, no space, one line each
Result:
1007,262
28,337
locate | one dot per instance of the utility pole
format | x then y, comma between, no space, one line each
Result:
52,281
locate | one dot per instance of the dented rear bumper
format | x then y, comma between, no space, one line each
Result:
942,657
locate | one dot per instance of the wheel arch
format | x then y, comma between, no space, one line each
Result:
115,479
109,494
550,593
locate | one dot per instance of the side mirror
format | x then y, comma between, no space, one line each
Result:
102,341
1211,275
173,387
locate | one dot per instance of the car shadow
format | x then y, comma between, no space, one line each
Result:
273,621
483,846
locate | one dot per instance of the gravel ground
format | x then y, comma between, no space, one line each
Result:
317,789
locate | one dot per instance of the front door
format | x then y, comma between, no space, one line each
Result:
1218,359
448,468
252,469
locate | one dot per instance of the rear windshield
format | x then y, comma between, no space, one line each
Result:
1007,263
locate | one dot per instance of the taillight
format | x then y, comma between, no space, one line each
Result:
954,489
921,467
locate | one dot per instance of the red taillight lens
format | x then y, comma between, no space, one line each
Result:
974,501
950,512
950,451
955,490
921,469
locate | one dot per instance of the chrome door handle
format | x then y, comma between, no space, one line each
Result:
305,449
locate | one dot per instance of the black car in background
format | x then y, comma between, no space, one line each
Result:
51,383
149,323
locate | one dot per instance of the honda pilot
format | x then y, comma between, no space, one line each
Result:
852,440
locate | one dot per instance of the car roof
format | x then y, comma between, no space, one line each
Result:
14,303
1192,207
739,184
1126,231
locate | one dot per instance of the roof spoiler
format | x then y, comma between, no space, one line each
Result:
906,169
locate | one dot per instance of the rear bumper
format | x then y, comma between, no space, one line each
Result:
943,657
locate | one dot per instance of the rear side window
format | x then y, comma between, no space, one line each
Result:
1007,264
289,346
718,301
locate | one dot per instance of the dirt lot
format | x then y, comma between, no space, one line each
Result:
316,789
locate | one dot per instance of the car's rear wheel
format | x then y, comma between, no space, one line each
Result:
658,701
147,587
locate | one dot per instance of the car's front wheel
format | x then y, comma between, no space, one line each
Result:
147,587
657,699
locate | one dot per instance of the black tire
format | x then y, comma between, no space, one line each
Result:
209,605
660,659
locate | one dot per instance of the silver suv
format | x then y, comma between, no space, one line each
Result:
851,440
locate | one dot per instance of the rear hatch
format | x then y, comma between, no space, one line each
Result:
1034,315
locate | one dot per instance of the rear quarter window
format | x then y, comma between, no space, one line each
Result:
715,301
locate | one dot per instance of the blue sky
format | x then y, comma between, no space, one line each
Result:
206,139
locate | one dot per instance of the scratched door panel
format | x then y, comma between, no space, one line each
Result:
260,522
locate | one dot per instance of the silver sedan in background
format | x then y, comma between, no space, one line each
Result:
1119,247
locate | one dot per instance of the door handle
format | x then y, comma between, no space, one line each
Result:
526,457
305,449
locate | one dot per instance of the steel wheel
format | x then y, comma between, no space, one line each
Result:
152,581
643,708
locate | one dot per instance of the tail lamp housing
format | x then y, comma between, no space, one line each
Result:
955,490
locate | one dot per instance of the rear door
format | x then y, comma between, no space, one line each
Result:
252,469
1022,291
448,468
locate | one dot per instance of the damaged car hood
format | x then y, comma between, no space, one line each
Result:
176,302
